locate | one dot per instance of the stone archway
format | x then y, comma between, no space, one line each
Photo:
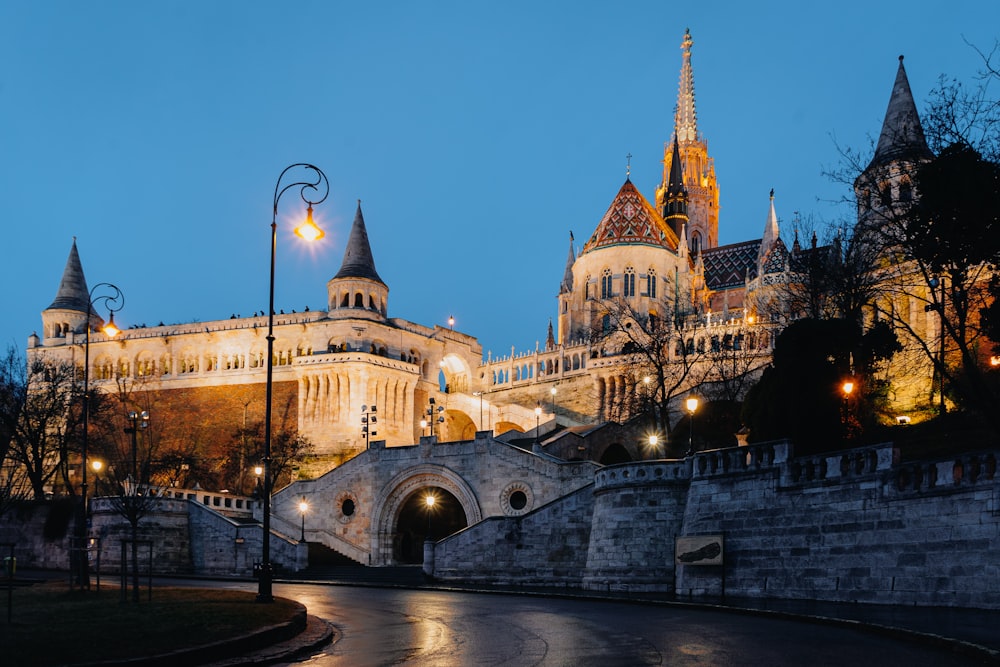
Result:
401,490
419,521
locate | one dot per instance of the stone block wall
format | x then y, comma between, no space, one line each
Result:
856,527
546,547
638,511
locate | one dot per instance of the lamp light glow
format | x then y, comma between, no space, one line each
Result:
110,329
309,230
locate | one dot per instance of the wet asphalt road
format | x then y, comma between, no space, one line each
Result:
448,629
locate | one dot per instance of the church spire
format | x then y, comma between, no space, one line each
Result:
567,281
675,212
771,231
73,293
358,260
902,136
685,117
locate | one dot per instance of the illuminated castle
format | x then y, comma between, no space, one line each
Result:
659,256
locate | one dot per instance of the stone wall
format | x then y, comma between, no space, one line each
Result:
187,537
547,547
851,526
856,526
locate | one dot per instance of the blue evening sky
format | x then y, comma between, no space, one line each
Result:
476,134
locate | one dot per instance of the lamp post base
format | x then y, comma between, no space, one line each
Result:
265,590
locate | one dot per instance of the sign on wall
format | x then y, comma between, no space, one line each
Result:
699,550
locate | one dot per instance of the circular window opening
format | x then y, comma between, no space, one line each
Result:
347,507
518,500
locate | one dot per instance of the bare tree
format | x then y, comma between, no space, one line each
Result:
734,364
13,481
128,438
660,357
41,416
928,232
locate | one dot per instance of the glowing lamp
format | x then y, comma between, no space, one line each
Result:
109,329
309,230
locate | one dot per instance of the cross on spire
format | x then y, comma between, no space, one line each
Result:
628,165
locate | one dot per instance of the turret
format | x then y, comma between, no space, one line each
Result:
67,314
901,145
357,291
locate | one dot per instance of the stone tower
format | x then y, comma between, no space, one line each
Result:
698,167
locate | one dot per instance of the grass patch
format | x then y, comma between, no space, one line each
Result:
54,625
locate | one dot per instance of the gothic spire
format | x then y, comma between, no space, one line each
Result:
567,281
358,261
73,293
675,198
675,185
902,136
685,117
771,231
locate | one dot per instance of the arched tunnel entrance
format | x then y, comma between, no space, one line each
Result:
419,519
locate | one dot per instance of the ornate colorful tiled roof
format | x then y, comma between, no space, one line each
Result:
775,258
631,220
730,265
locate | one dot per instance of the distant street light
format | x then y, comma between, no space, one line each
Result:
309,231
538,416
654,443
692,406
368,420
303,508
429,501
433,417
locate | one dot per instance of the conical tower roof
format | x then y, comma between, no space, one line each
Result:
567,281
771,231
902,136
675,185
631,220
358,260
73,293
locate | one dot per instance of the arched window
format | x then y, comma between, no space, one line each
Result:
628,283
651,283
606,291
695,242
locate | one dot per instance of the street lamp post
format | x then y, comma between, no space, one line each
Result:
303,508
538,416
368,419
311,232
114,300
432,416
692,406
139,420
848,389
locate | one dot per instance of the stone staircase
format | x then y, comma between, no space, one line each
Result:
325,564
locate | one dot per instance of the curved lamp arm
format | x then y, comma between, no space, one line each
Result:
306,185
